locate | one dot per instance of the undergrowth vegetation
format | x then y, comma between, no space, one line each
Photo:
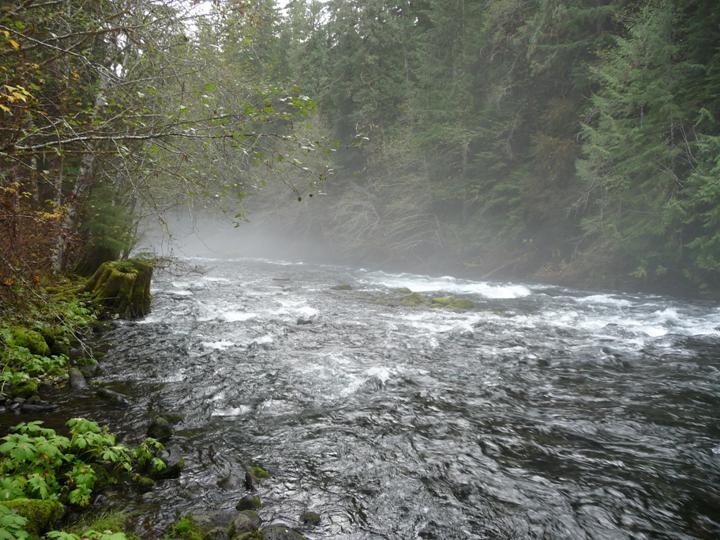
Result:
41,470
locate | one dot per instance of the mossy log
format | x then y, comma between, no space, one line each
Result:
122,287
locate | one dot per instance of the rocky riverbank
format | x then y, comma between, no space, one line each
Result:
65,482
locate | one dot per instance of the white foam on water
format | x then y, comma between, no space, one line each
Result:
181,292
604,299
263,340
216,279
232,411
418,283
217,345
237,316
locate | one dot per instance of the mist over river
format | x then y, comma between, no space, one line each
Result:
541,413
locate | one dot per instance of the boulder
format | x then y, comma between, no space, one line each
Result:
310,518
249,502
246,521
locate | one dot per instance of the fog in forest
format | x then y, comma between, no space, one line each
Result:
359,269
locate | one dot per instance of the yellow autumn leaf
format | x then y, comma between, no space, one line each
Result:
14,44
4,108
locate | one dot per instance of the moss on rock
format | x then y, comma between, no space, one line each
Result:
414,300
24,389
40,515
30,339
249,502
453,302
310,518
122,287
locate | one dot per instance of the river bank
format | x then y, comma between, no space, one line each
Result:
53,344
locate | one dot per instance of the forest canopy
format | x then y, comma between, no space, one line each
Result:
572,141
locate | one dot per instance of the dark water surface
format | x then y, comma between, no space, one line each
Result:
543,413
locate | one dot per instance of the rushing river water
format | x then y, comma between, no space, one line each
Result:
542,413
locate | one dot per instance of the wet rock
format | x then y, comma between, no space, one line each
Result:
76,353
38,406
249,502
254,476
160,429
145,483
304,320
246,521
77,380
114,397
281,532
175,463
310,518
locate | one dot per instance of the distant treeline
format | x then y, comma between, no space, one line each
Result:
573,140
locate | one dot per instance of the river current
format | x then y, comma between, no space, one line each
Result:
541,413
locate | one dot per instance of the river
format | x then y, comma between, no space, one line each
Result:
541,413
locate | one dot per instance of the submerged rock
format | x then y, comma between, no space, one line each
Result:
111,395
37,406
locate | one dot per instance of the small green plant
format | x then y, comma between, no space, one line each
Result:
37,463
87,535
12,526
